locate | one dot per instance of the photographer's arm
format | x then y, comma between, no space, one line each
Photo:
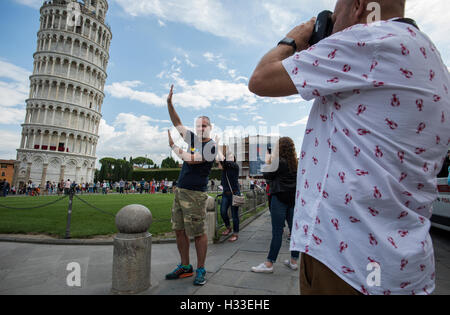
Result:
270,77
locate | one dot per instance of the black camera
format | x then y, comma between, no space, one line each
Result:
323,27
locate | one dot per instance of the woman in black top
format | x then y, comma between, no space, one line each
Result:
230,176
281,171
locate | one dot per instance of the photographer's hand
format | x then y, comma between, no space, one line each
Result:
302,33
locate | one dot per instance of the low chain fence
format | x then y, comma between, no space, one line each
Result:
36,207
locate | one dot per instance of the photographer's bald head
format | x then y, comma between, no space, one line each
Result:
351,12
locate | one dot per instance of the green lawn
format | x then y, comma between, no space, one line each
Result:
86,222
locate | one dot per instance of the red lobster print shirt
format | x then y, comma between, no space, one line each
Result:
376,138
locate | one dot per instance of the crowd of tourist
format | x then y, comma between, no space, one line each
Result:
105,187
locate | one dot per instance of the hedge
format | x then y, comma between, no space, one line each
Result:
170,174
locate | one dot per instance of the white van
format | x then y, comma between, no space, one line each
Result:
441,206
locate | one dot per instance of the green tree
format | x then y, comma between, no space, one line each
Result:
96,175
169,163
142,162
115,170
107,168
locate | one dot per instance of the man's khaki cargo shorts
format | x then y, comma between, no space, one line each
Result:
189,212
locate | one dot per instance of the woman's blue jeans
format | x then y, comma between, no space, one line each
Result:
227,201
280,213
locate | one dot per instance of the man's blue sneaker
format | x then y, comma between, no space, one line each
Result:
180,273
200,277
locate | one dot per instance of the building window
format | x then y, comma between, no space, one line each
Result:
4,166
3,174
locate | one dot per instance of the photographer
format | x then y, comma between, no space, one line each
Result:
282,190
375,140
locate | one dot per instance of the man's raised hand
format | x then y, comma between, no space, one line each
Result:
169,98
176,121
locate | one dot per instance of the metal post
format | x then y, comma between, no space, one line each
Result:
216,205
69,213
211,219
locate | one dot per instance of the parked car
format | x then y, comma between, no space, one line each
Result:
441,207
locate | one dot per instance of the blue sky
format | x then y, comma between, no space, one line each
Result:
206,48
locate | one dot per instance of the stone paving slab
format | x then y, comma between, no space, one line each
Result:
41,269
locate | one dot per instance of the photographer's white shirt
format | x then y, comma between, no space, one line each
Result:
376,138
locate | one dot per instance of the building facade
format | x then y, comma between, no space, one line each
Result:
250,154
7,170
63,112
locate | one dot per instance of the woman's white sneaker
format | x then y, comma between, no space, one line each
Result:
262,268
290,265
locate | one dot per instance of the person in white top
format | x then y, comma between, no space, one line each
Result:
377,136
67,185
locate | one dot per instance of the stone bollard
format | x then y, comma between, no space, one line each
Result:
132,251
211,219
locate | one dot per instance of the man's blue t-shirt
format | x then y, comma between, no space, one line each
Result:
196,176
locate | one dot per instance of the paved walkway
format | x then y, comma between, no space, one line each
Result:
41,269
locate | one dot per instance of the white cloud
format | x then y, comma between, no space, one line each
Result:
13,72
280,17
205,15
220,90
189,62
245,79
132,135
220,63
12,116
14,90
259,120
231,117
432,19
266,21
12,94
125,90
197,96
10,142
302,121
31,3
249,21
161,74
175,60
210,56
295,99
232,73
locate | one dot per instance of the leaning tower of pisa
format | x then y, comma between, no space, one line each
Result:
63,112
